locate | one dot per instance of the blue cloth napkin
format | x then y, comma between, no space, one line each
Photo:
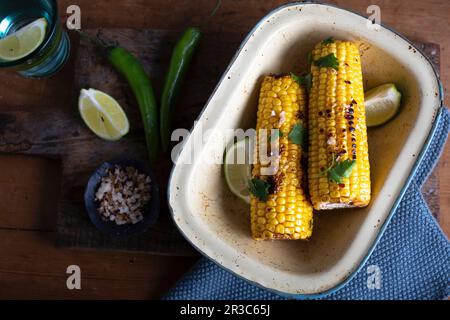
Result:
413,254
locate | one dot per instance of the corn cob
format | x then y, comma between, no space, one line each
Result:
286,213
337,127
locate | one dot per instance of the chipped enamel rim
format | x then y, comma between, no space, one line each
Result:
206,250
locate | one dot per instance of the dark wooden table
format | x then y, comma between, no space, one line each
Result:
31,266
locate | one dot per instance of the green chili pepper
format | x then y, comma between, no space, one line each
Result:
126,64
179,63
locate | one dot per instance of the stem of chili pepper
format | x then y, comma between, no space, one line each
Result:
132,70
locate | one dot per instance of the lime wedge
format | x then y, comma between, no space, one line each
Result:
382,104
237,169
103,115
24,41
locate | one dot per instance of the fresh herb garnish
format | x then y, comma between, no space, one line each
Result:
322,173
328,40
296,78
298,135
305,80
259,188
341,170
310,57
328,61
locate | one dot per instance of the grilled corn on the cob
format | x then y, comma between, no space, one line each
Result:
286,213
337,128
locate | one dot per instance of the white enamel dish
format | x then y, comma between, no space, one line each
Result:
217,223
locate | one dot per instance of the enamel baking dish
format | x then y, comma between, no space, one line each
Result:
217,223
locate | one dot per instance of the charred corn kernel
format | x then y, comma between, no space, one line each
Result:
337,128
282,104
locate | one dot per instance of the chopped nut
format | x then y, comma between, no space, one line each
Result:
122,195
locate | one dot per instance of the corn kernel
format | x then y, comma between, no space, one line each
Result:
281,218
279,229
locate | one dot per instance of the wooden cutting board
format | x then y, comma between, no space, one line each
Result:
56,130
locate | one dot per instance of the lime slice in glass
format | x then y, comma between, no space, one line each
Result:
24,41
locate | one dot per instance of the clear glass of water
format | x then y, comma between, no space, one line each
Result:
52,53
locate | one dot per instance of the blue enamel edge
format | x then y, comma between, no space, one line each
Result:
396,203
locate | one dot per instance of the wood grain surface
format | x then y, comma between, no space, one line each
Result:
31,266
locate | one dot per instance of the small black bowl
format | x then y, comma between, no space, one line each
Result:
151,210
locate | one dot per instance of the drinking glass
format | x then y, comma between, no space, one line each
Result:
52,53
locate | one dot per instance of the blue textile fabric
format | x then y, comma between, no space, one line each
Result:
413,254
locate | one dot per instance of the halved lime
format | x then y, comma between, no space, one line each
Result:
103,115
237,169
24,41
382,104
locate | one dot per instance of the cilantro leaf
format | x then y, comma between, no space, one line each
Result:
305,80
322,173
310,57
328,61
296,78
259,188
328,40
341,170
298,135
